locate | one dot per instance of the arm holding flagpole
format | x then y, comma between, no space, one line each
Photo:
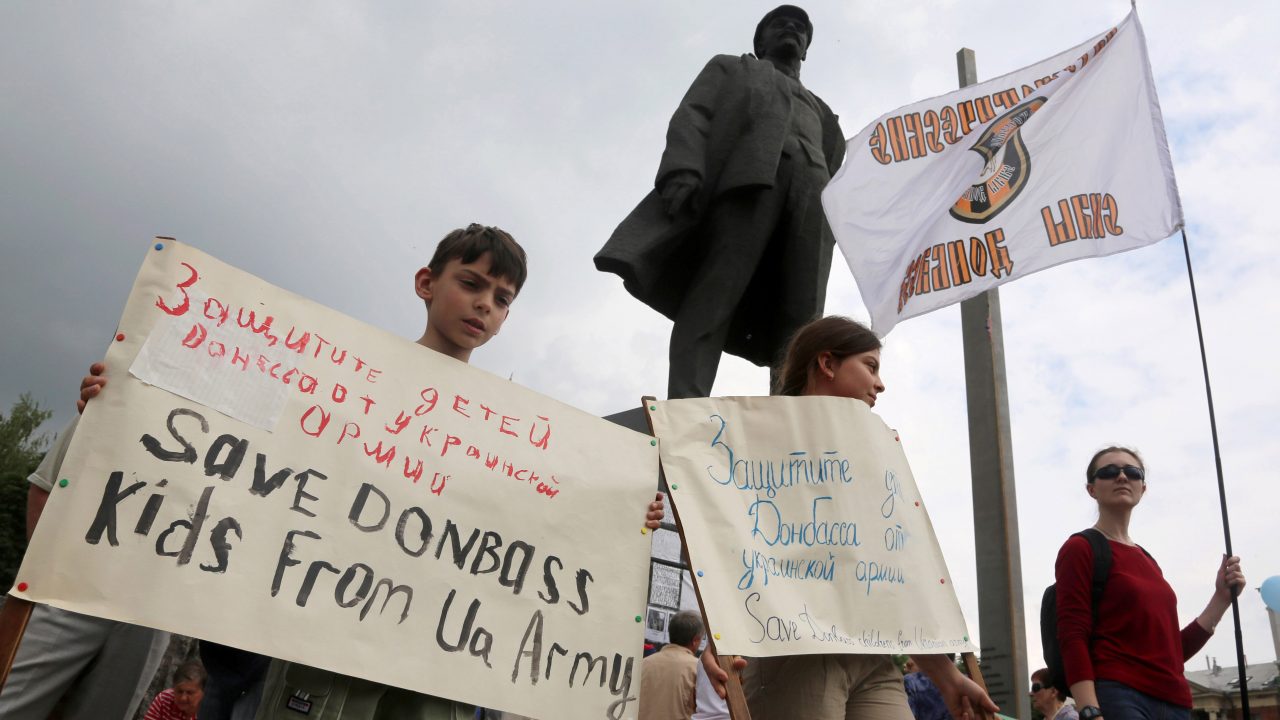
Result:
1227,586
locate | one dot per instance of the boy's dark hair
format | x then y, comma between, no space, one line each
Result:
685,626
836,334
469,243
191,670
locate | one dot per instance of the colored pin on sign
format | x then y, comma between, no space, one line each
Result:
159,246
64,482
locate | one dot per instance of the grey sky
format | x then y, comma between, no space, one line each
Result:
326,147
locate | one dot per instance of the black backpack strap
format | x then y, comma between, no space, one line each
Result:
1101,566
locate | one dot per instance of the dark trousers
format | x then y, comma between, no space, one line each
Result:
738,230
232,674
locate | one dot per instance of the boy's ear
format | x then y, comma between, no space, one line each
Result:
422,283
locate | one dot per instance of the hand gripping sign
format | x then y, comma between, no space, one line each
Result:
805,531
267,473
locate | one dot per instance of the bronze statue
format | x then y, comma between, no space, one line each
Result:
732,244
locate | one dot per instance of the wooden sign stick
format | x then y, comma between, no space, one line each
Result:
735,697
975,674
14,615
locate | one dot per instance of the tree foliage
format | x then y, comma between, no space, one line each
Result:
20,448
20,452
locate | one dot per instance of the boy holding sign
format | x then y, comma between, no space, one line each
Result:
468,288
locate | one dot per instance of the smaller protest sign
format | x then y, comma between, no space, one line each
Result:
804,527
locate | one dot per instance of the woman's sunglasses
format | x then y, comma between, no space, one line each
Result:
1037,687
1112,472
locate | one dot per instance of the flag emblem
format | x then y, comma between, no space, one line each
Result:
1008,166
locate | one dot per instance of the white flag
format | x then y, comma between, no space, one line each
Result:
1066,159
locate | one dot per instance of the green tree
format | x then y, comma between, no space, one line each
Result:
20,448
20,452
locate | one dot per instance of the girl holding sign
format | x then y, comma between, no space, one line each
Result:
839,357
1124,653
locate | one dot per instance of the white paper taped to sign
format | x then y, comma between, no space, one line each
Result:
408,519
805,528
209,375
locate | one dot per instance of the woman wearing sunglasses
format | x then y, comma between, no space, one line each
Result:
1046,698
1127,661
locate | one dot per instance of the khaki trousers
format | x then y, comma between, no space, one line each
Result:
825,687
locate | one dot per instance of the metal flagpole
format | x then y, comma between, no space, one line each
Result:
997,551
1222,488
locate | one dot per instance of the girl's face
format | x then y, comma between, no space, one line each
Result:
855,376
187,695
1122,490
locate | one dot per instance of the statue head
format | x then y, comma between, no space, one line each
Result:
773,40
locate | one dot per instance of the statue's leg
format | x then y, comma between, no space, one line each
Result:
804,260
736,233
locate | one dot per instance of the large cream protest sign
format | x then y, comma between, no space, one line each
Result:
354,502
804,528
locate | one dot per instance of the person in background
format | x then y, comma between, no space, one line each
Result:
1127,661
181,701
922,695
1048,700
668,676
710,706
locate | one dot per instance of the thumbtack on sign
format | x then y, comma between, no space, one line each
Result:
64,482
638,618
644,531
653,442
120,337
159,246
22,587
717,636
